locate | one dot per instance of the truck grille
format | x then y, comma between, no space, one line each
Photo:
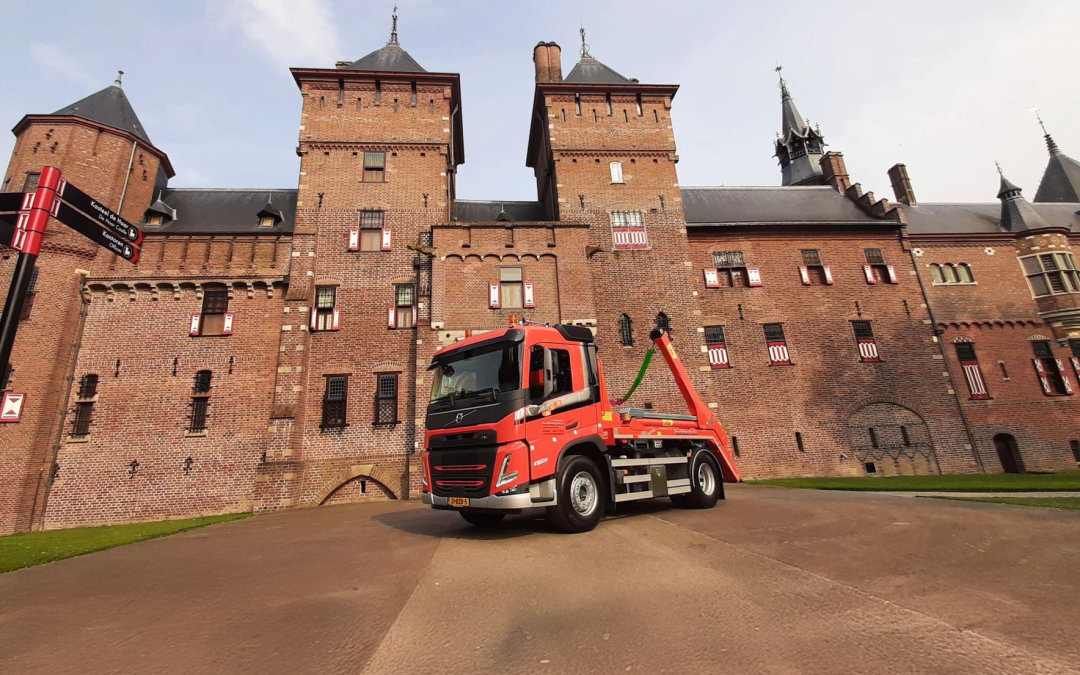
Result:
465,472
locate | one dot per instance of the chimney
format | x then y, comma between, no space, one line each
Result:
540,59
901,185
554,62
834,172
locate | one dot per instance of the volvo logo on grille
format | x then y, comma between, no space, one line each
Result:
462,415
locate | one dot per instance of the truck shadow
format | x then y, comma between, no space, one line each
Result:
449,525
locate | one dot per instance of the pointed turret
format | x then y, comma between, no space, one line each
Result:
590,71
391,58
798,146
110,107
1061,180
1017,214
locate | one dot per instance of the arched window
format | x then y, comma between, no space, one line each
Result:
662,321
626,331
935,274
964,272
950,273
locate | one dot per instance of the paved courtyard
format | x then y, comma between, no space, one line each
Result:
772,581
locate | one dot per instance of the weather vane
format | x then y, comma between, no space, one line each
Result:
1035,110
584,47
998,165
393,30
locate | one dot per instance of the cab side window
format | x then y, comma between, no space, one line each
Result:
536,375
562,375
549,366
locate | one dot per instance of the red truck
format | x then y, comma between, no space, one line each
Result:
520,418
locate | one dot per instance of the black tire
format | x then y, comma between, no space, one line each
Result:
482,519
706,483
580,498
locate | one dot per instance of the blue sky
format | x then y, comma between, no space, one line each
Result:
943,86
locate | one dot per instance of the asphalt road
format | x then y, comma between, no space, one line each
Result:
771,581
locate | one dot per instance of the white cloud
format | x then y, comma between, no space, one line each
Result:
290,32
55,58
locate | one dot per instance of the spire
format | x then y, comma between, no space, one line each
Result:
110,107
1017,214
590,71
1051,146
393,29
389,59
584,47
798,146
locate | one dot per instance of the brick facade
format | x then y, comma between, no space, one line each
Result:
266,444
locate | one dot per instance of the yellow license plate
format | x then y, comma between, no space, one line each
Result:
459,501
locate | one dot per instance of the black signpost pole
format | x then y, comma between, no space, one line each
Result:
13,309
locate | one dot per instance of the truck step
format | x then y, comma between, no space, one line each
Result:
641,413
647,461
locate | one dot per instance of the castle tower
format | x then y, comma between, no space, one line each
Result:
100,146
603,152
380,140
798,146
1061,179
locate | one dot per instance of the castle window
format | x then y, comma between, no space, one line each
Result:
266,221
335,401
359,103
374,167
610,112
663,322
812,271
577,104
873,437
866,342
371,230
511,288
595,117
31,293
431,106
626,331
655,116
1074,445
341,92
965,353
214,308
777,344
625,116
378,92
395,105
639,110
905,437
1050,371
564,114
716,347
31,182
84,406
200,402
876,269
799,441
628,230
386,399
412,101
616,172
325,308
1051,273
951,274
404,306
155,219
731,268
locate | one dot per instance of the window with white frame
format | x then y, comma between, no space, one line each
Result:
628,230
1051,273
616,172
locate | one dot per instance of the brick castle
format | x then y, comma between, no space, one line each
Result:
269,349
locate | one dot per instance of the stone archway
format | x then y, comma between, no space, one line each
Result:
378,475
888,438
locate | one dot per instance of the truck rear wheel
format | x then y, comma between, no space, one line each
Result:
580,496
482,519
706,484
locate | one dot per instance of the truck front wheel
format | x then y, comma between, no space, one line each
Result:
482,519
580,496
706,484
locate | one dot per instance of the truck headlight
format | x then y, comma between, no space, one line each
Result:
504,477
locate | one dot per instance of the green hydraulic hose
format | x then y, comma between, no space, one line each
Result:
641,374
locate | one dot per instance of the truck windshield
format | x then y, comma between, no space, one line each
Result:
492,368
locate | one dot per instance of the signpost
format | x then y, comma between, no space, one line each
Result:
23,219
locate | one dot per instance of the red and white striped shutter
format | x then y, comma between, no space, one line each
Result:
712,277
530,296
391,318
828,275
336,319
868,350
893,279
414,315
1041,372
314,319
778,354
804,273
718,357
1076,365
194,329
493,295
354,239
386,239
226,327
973,375
1064,377
869,272
753,276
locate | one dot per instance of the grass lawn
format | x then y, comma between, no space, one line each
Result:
994,482
1072,503
35,548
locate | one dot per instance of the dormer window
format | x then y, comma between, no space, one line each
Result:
266,221
155,219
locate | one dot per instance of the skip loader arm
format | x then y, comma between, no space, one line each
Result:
706,420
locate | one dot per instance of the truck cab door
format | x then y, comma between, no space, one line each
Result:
561,406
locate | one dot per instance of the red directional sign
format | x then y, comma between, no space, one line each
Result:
11,407
99,212
90,229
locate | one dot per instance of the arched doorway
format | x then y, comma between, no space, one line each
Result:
1008,453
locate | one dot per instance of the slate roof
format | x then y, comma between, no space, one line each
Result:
929,218
1061,180
769,205
225,211
590,71
110,107
475,211
391,58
